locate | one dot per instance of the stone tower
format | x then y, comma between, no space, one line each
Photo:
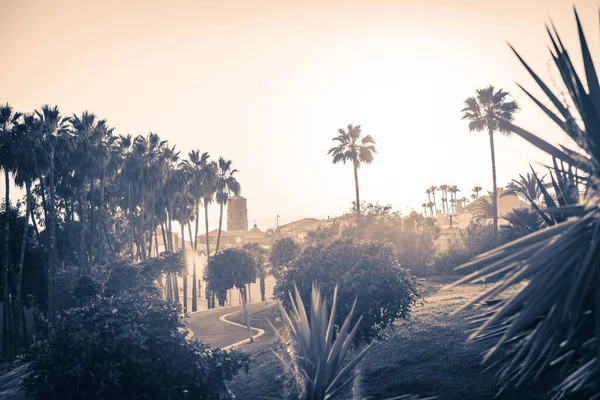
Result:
237,214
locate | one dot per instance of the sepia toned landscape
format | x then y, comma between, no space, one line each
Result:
310,200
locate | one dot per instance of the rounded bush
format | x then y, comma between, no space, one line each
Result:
128,347
366,271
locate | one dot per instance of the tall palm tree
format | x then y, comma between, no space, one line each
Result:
443,189
490,110
476,191
183,212
453,191
428,193
202,186
432,189
25,174
89,156
8,123
56,139
226,185
355,148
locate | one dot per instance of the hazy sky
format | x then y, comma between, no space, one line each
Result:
268,83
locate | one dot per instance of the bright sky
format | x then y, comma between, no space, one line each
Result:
268,83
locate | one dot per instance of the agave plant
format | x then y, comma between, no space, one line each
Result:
555,317
315,353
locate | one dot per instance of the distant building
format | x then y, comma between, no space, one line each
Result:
237,214
451,224
297,230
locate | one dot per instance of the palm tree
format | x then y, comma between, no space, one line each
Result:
424,205
527,187
476,191
56,138
202,190
443,189
25,173
9,120
490,110
431,205
433,189
89,156
226,184
352,146
183,212
453,190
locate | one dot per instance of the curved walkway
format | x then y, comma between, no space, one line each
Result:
213,328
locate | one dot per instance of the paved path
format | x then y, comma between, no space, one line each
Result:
207,326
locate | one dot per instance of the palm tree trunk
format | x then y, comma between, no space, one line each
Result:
91,228
156,241
142,227
5,298
208,293
183,273
81,257
262,284
220,227
434,205
356,189
175,287
206,224
194,286
102,223
246,317
35,226
43,195
19,277
164,235
130,201
52,264
495,191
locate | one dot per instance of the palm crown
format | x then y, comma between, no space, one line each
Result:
489,109
352,146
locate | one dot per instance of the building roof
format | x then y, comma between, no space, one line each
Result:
303,224
506,204
215,232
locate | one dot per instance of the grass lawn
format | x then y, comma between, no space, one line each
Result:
426,355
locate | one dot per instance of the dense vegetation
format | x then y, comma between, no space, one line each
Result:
368,272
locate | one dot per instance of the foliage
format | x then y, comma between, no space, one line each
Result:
553,319
353,147
283,252
127,347
260,257
367,270
412,236
86,290
314,355
230,268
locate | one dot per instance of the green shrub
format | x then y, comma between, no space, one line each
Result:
283,252
413,236
128,347
230,268
367,270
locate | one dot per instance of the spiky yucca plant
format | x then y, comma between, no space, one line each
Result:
314,355
555,318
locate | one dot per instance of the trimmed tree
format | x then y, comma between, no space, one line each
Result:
232,268
260,256
283,252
